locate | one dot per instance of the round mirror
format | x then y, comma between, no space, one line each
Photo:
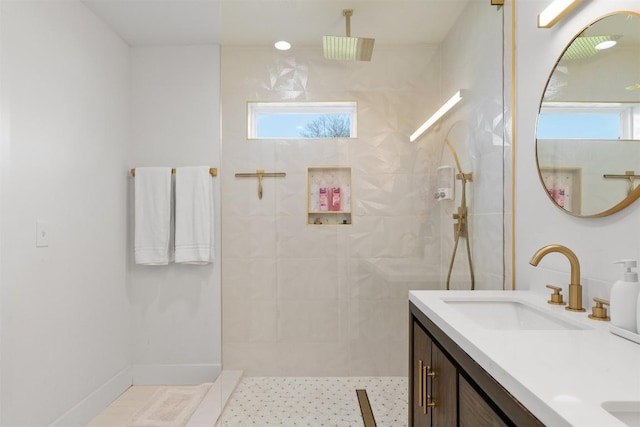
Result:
588,133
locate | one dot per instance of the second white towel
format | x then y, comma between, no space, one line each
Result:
194,216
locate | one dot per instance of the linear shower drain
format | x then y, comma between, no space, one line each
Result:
365,408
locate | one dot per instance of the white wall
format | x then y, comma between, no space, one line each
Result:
65,106
596,242
175,121
77,315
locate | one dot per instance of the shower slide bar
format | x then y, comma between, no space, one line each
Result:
212,171
260,173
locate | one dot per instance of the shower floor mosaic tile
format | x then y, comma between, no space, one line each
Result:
315,401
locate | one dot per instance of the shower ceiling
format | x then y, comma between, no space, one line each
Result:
262,22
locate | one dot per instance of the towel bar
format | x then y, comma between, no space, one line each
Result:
212,171
630,175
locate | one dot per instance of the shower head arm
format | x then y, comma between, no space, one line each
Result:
347,13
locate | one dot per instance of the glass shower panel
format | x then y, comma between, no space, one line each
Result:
302,299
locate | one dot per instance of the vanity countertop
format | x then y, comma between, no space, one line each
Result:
561,376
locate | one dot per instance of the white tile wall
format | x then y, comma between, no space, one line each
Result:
477,131
344,318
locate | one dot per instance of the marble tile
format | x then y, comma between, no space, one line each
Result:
249,237
291,193
323,297
331,358
316,401
487,244
385,237
309,279
385,194
487,186
251,321
296,239
308,321
250,279
379,320
364,359
253,358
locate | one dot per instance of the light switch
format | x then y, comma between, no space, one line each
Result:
42,234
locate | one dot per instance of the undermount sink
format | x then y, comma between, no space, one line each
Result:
627,412
508,314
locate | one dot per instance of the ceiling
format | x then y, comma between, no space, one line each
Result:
262,22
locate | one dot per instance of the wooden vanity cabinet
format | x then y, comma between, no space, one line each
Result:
474,410
447,388
434,383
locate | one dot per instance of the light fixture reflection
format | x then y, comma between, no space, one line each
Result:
282,45
555,12
457,97
605,45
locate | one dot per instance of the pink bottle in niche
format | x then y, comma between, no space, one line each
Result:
323,193
335,198
560,197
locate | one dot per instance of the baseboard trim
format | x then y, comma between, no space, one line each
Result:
175,374
95,402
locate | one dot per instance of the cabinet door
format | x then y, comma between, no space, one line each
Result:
443,389
421,358
474,410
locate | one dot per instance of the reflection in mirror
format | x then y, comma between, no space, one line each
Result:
588,135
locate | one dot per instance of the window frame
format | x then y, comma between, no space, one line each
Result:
255,108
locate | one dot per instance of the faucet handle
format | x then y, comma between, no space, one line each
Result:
599,312
556,296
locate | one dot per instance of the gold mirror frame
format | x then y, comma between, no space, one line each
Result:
633,194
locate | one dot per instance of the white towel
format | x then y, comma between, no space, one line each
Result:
152,215
194,215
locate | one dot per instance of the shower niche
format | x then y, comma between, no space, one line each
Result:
329,199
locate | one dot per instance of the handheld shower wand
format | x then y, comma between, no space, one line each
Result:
461,226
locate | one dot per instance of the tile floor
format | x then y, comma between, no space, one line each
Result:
278,401
316,401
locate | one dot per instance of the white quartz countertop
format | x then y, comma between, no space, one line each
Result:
561,376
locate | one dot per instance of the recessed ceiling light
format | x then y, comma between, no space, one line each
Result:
605,45
282,45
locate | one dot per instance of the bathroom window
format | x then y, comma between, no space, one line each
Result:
301,120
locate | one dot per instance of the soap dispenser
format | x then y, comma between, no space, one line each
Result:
624,298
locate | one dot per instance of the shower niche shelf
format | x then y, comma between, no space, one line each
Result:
334,212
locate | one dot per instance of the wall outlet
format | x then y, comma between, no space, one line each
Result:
42,234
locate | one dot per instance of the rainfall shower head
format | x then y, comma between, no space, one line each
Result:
348,48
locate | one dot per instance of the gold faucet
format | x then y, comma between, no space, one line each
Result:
575,288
